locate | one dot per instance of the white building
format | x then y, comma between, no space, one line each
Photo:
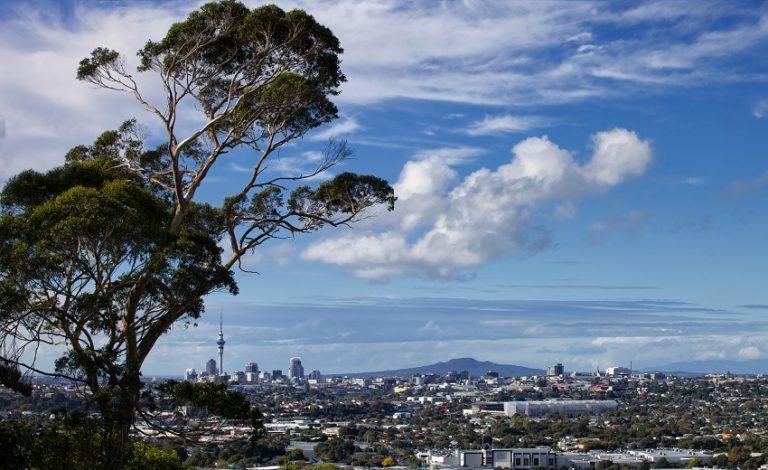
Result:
513,459
616,371
569,407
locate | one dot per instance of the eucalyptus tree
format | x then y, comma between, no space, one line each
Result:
106,253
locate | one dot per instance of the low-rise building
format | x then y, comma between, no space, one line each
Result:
569,407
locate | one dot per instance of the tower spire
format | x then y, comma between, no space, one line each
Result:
221,342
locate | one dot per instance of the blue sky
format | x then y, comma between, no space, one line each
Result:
580,182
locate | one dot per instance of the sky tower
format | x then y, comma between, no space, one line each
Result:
221,342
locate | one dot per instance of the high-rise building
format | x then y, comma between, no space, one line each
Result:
295,369
221,342
210,367
316,375
251,377
251,367
555,370
277,374
190,375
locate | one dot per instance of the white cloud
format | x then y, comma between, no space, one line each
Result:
505,123
618,154
471,52
528,52
750,352
451,155
760,110
437,230
565,210
47,111
336,129
276,254
631,222
581,38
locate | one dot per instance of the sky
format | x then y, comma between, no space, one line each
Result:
578,182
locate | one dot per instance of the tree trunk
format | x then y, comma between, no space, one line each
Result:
118,408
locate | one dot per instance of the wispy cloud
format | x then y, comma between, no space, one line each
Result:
46,110
745,187
504,124
451,155
338,129
414,331
580,286
631,222
476,52
760,110
511,54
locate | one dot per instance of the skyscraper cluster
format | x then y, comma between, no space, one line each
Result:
214,372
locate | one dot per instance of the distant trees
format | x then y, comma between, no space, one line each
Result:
106,253
335,450
66,444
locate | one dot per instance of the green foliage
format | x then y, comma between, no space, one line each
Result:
148,457
100,57
335,450
87,231
272,68
216,399
69,443
295,454
11,377
106,253
241,452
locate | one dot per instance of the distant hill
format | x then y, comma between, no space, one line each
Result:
474,367
753,366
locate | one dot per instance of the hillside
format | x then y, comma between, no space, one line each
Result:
474,367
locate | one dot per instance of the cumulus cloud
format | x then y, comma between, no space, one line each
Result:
442,226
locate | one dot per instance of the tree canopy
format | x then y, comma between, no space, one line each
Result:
104,254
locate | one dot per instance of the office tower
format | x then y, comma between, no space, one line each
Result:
190,375
210,367
555,370
251,367
277,374
295,369
316,375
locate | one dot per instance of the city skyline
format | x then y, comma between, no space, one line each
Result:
577,182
